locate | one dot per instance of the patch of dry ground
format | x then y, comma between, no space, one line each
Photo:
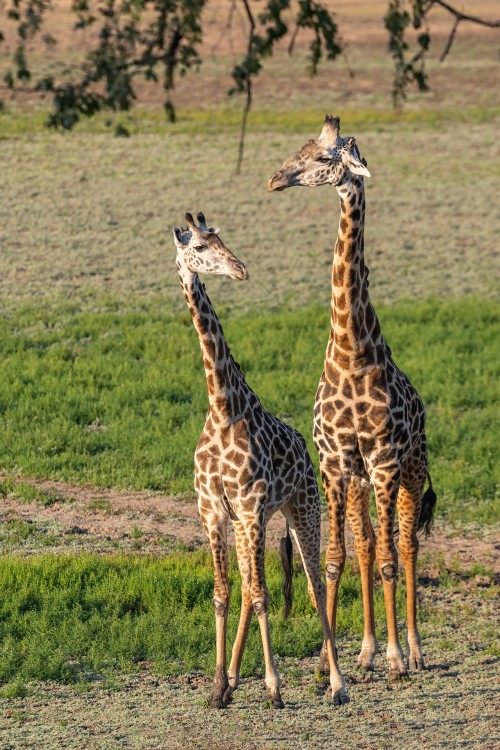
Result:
102,518
363,75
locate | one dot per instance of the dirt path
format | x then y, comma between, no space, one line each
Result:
99,518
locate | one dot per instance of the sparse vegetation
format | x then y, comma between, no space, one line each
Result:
27,492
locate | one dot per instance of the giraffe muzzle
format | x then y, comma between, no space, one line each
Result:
283,179
240,272
276,182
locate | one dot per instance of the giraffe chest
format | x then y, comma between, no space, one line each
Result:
363,415
254,464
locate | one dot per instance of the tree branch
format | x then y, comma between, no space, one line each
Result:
293,39
248,89
459,17
450,41
465,17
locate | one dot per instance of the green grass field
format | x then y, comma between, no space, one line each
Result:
68,618
79,618
118,398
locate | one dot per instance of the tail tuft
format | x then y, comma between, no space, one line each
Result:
426,517
286,552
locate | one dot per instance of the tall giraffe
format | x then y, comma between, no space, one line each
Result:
368,419
248,465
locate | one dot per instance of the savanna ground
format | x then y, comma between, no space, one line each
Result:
106,623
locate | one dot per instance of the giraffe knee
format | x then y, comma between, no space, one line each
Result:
221,606
389,572
334,571
260,607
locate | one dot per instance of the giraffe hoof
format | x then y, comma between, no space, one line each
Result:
367,654
274,699
365,663
416,664
220,698
340,697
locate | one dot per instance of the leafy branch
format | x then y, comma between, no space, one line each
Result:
401,14
160,39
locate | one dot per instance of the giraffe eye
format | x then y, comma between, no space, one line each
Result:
324,159
200,248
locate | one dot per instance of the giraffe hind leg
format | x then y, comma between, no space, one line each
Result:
306,528
256,538
335,488
409,503
387,481
220,694
358,515
244,565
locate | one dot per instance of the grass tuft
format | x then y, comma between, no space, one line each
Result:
75,619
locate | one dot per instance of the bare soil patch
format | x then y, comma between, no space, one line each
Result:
366,70
146,520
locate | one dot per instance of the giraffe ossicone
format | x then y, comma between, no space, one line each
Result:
369,421
248,465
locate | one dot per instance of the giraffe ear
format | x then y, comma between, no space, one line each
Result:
352,159
178,232
355,165
214,230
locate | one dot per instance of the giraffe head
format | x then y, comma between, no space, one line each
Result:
328,160
200,250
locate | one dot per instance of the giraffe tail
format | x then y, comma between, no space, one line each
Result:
426,517
286,551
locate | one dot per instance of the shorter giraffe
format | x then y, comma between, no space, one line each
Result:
248,465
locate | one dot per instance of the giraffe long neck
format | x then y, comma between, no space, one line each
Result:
355,339
226,385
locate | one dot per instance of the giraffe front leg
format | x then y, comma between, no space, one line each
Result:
408,510
220,694
246,612
336,496
256,535
364,543
386,483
